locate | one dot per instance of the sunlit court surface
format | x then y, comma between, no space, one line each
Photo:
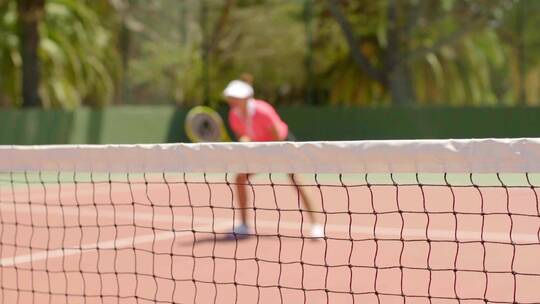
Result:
269,151
390,236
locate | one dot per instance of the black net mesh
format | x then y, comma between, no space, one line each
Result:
167,238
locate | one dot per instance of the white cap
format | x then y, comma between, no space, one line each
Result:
238,89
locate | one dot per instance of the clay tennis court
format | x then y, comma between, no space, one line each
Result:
162,239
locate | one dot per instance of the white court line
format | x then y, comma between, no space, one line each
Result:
381,232
358,231
91,211
364,231
112,244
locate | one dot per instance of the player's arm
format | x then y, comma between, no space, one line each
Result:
272,120
238,129
244,138
274,131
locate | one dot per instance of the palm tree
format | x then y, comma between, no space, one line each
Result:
59,55
30,13
79,54
9,55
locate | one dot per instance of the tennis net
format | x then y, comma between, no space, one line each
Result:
446,221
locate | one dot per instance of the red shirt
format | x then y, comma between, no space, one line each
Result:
258,123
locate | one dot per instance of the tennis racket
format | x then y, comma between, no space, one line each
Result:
203,124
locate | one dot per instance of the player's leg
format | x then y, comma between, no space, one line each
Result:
241,189
316,229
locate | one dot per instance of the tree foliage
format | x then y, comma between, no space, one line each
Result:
76,51
425,51
346,52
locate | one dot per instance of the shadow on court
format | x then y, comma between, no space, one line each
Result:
220,238
228,238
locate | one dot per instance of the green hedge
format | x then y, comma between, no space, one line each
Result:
145,124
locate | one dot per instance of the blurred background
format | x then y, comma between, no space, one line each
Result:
127,71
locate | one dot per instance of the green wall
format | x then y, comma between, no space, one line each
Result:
145,124
120,125
412,123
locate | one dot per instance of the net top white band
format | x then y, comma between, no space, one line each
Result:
393,156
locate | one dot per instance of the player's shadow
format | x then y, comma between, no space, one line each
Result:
217,238
228,238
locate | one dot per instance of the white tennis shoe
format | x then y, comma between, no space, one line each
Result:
239,232
316,231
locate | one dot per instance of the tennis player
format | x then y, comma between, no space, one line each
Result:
256,120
